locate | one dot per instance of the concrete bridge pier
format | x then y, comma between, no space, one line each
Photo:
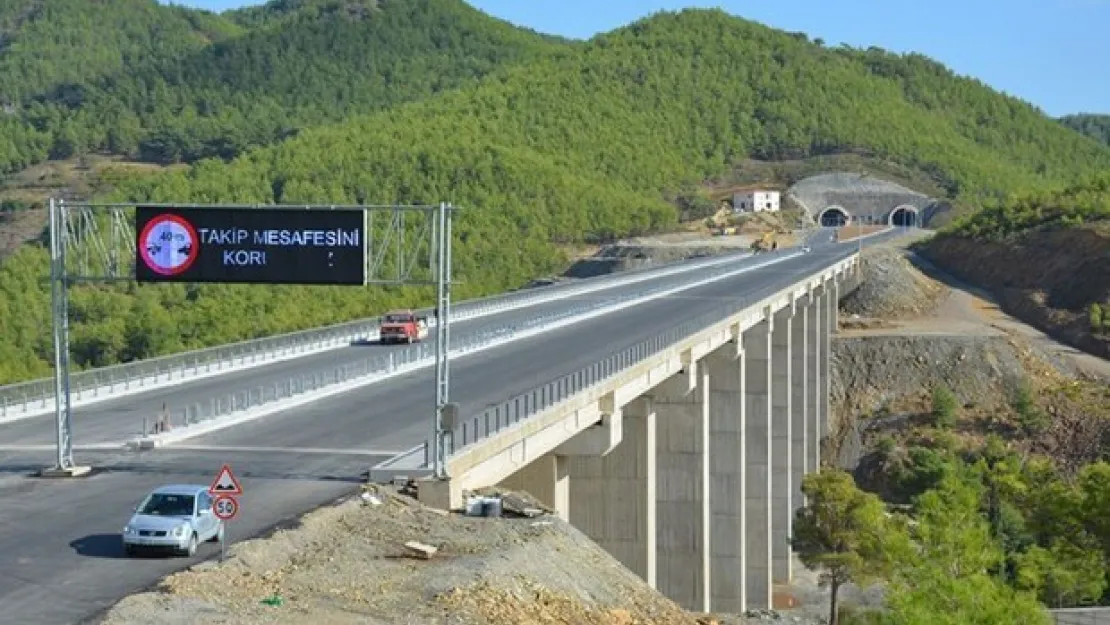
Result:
817,346
800,391
757,430
548,480
727,457
830,296
782,461
683,489
614,495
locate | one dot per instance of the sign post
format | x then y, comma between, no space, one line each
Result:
225,489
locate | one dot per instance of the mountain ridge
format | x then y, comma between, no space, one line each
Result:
314,62
583,145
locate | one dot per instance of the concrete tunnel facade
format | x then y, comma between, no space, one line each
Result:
689,470
904,215
901,215
833,216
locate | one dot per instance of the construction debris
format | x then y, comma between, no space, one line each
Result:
420,550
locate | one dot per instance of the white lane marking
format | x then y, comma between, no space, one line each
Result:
282,450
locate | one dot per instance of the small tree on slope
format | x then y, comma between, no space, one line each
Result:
844,533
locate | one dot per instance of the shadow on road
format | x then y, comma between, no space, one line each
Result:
99,546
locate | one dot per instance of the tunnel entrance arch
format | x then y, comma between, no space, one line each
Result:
904,215
833,216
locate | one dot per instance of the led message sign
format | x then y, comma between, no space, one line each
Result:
250,245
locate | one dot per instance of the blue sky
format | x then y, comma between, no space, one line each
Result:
1053,53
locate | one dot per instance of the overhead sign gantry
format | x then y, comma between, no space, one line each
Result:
353,245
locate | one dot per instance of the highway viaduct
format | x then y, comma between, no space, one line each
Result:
684,462
700,365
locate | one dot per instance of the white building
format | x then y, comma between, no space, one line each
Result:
755,201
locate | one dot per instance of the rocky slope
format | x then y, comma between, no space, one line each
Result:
905,333
892,288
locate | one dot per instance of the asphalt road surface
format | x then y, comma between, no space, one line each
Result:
60,557
396,415
116,420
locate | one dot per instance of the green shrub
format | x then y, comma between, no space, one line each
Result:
1031,418
944,407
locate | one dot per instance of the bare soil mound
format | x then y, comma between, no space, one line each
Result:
349,564
892,287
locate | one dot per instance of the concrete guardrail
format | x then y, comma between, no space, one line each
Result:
524,405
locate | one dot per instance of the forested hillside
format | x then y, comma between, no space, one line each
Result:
582,144
49,48
1097,126
46,44
240,79
1085,201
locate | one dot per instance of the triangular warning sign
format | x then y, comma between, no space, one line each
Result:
225,483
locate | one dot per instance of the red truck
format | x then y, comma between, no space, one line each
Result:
402,326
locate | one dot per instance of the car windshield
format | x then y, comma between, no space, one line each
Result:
397,318
161,504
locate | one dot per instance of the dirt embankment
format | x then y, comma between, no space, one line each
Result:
850,233
698,241
904,333
349,564
1047,279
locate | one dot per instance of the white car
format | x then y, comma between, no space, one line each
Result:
176,517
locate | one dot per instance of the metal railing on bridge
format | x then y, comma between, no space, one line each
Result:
524,405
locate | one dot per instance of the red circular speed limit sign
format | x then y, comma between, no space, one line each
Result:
168,245
225,507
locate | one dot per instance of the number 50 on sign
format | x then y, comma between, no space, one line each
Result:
225,507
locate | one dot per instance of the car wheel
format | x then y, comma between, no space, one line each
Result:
191,548
218,536
129,550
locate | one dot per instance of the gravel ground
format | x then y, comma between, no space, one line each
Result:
893,288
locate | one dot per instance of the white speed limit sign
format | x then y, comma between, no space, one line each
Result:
225,507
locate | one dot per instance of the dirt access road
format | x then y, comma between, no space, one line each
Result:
970,311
